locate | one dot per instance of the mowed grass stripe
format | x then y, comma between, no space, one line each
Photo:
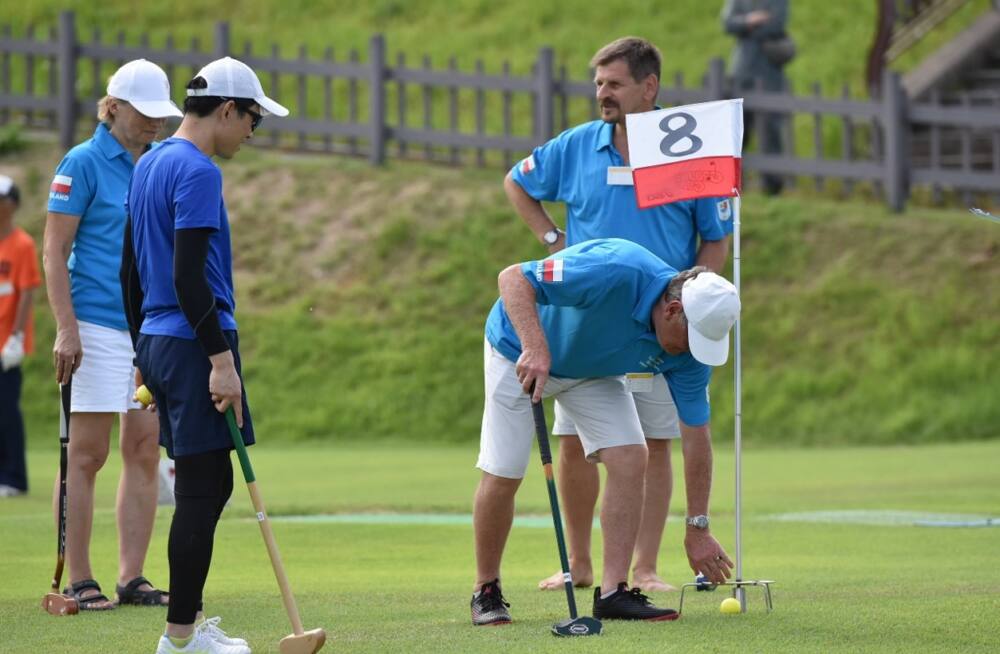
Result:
380,588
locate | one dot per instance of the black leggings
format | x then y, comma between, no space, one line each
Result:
202,487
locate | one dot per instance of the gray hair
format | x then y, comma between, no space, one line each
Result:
673,291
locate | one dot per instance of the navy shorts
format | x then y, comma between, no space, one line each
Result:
176,371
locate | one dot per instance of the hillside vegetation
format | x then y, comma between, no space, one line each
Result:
362,294
833,37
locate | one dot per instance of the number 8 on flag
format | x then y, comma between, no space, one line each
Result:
688,152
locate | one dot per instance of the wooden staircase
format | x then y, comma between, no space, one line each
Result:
964,72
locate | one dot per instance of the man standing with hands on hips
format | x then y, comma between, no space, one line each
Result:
178,285
587,168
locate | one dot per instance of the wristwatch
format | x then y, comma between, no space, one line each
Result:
698,521
552,236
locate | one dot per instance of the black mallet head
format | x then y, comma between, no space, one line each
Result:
582,626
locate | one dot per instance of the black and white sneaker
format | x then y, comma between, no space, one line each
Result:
625,604
489,606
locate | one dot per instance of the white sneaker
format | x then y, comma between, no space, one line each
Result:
10,491
202,643
211,627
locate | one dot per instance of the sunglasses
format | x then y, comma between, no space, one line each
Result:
255,118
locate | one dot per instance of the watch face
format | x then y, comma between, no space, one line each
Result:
551,237
698,521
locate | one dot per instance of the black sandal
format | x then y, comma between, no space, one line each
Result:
86,603
130,594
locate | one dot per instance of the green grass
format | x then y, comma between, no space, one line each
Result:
840,587
362,295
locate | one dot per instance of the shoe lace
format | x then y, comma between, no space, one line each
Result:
211,628
637,596
492,599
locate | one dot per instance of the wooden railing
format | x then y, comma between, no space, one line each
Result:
373,108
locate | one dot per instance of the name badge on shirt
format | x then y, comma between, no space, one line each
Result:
639,382
6,288
619,176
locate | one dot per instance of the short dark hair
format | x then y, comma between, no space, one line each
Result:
643,58
203,105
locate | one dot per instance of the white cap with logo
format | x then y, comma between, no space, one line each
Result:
231,78
145,86
711,306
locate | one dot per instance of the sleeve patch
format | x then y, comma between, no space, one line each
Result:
549,270
60,189
725,210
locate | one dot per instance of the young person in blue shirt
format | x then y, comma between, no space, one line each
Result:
82,254
177,281
586,168
571,326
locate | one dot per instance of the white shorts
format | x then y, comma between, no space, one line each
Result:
601,407
656,408
105,380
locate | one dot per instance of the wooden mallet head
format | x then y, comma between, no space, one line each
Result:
59,604
307,642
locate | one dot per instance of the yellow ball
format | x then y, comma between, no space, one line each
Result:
143,396
730,606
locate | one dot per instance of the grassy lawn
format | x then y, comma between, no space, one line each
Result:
378,588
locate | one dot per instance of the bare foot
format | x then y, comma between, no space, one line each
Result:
650,582
555,582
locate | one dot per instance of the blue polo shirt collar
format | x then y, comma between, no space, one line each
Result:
650,296
108,144
604,136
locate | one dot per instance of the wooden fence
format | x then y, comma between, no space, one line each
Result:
371,107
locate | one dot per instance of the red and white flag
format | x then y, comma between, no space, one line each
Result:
61,184
686,152
549,270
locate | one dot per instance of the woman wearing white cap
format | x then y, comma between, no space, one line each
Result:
82,254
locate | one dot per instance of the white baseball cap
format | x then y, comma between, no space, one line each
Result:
711,305
145,86
231,78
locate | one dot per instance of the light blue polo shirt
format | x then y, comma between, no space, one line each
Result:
595,307
573,168
176,186
91,182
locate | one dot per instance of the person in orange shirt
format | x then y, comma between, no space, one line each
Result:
19,277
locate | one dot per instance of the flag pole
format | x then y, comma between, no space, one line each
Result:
737,393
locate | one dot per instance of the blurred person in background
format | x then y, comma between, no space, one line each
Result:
763,49
19,277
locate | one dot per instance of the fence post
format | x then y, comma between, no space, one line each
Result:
896,127
66,111
716,79
545,95
221,42
377,78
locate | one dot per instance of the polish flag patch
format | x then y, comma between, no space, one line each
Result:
528,164
61,185
549,270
